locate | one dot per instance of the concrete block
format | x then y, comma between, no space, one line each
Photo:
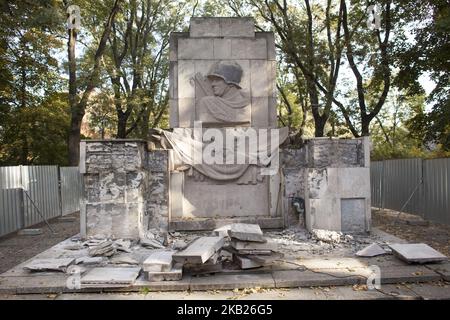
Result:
173,44
174,120
248,48
186,84
191,48
204,27
260,112
173,80
176,194
160,261
200,250
237,27
270,38
246,263
261,78
186,112
222,49
273,116
175,274
246,232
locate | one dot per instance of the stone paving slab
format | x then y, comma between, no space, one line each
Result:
307,278
442,269
232,281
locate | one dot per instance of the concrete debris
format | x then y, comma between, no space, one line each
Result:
371,251
200,250
42,265
222,231
246,232
246,263
160,261
105,248
151,243
257,246
174,274
110,275
88,261
124,259
74,247
326,235
179,245
30,232
417,253
123,245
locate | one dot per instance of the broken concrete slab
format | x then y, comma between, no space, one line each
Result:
104,248
222,231
124,259
417,253
90,260
39,265
266,259
108,275
372,250
179,245
151,243
174,274
246,232
248,246
246,263
200,250
74,247
160,261
30,232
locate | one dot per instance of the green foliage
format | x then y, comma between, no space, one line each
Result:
37,134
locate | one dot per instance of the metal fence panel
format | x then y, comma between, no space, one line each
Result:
418,186
437,190
402,181
70,183
11,210
376,171
40,183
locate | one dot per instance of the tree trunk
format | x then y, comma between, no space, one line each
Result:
78,108
122,125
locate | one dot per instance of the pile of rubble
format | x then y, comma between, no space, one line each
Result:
242,243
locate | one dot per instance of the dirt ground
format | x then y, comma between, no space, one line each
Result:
15,249
405,226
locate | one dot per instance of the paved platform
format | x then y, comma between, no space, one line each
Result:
307,272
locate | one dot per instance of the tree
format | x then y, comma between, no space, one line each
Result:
78,105
428,53
28,73
137,63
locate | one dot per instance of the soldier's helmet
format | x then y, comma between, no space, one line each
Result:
230,72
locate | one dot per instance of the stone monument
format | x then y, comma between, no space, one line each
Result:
222,75
222,101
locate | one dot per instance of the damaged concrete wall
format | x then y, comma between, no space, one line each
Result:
294,163
157,209
337,183
116,182
332,177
